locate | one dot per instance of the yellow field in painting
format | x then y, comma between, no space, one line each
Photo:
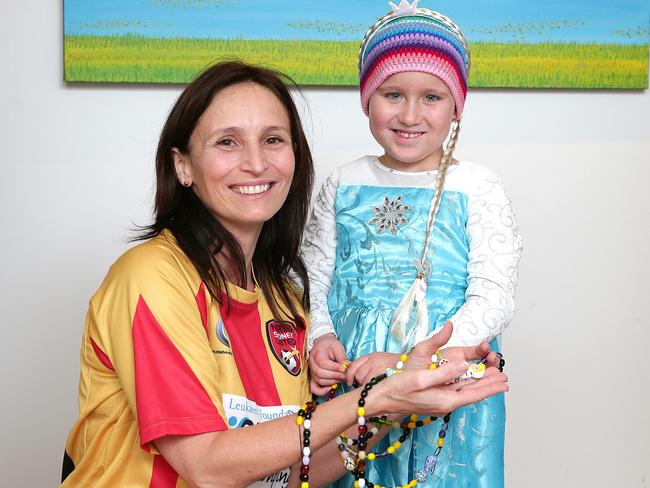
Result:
135,59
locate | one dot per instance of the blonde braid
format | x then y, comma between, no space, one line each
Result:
445,161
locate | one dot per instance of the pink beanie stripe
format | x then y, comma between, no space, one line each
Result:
415,43
426,59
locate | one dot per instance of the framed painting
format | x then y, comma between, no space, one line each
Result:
514,43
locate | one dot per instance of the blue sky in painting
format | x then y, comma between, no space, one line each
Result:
600,21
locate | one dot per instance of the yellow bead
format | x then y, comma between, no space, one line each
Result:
413,417
426,421
361,412
390,449
356,484
432,366
411,425
371,456
441,441
413,483
299,420
335,386
304,484
397,444
304,406
403,358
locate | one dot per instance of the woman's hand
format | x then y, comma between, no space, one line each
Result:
434,392
326,361
367,367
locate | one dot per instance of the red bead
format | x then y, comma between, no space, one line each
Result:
362,429
304,469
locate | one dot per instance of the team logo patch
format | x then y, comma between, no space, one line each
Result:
284,341
222,334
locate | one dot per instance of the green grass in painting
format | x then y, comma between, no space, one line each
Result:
135,59
559,65
145,60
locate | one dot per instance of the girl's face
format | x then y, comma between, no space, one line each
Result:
410,115
240,159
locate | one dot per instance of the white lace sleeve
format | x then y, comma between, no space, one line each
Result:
494,252
319,253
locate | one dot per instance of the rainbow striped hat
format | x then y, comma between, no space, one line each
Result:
414,39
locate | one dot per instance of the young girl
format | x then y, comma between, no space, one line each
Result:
399,244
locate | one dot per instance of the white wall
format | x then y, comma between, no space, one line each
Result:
76,172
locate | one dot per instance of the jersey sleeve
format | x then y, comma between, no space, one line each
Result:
147,320
494,252
319,253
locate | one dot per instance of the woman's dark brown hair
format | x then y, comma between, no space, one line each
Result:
198,232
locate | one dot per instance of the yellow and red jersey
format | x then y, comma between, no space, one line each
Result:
160,357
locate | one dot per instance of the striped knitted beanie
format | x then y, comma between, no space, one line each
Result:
414,39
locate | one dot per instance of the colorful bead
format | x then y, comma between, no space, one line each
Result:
304,419
477,370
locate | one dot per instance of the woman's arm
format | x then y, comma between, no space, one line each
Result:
237,458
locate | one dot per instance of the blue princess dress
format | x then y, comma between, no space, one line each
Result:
366,230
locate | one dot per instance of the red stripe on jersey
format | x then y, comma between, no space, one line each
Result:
242,322
162,475
101,355
203,307
169,397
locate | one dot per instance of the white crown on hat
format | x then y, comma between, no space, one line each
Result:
404,8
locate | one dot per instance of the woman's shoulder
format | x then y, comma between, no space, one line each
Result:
150,253
149,261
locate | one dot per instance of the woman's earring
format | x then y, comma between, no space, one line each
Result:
187,183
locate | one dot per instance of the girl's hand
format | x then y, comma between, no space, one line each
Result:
326,361
420,356
365,368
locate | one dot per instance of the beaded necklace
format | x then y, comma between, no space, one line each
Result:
476,370
358,469
359,473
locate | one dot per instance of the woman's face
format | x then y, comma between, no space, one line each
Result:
240,159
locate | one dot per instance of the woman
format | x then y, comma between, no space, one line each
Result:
200,330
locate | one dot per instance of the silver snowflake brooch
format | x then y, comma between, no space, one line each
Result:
389,215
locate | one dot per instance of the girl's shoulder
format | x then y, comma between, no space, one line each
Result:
470,177
472,169
359,168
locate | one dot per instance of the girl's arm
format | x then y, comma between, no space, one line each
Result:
318,251
494,253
